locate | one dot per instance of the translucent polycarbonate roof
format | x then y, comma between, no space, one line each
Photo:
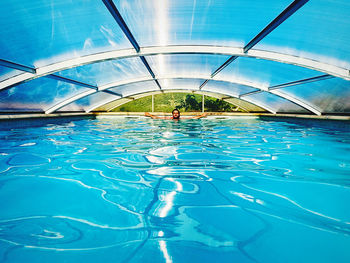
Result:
277,56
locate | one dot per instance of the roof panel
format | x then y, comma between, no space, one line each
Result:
227,88
184,84
6,73
245,105
331,96
47,92
274,103
319,30
112,105
135,88
185,64
215,22
107,72
40,32
265,72
88,102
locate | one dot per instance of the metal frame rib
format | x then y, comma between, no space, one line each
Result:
73,98
149,51
17,66
290,84
113,93
118,18
109,101
239,82
69,100
299,102
290,10
303,81
209,93
123,26
105,88
71,81
305,105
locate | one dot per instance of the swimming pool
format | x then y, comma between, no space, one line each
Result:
142,190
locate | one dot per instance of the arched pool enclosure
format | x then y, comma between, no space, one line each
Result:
86,55
90,188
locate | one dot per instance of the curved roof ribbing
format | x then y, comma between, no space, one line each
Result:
282,56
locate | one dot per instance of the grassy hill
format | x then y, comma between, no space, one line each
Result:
166,102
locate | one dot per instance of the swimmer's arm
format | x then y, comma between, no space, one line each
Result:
147,114
200,116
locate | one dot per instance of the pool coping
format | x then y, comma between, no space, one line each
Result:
233,114
42,115
19,116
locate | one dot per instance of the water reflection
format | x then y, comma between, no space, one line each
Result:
169,198
149,188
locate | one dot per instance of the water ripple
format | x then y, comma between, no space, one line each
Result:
64,233
147,189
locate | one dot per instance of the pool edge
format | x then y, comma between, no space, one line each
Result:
22,116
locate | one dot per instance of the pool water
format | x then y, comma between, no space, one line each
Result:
142,190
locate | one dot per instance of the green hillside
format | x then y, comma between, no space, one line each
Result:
185,102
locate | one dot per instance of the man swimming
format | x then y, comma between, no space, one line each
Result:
175,116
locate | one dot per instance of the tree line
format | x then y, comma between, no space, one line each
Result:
166,102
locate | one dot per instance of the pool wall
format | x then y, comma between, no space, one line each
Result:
39,119
31,120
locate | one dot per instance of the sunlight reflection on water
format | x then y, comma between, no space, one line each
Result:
219,190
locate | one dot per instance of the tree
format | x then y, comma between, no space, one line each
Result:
217,105
190,103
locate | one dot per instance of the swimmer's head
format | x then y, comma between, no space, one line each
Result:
176,114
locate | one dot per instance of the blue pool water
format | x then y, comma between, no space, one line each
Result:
143,190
